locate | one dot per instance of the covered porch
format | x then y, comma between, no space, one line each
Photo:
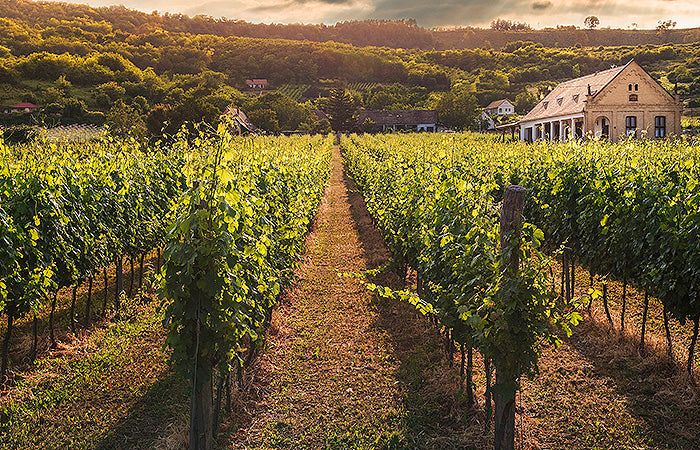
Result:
555,129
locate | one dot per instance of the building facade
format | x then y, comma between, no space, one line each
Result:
613,104
421,120
500,108
21,107
256,83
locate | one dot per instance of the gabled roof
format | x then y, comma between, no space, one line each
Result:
568,97
320,115
496,103
399,117
240,118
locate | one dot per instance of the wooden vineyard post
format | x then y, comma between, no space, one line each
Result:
506,373
201,413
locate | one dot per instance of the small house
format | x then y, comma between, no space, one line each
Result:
421,120
240,121
500,108
257,83
23,107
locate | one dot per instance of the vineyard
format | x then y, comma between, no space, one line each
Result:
626,212
363,87
244,289
294,91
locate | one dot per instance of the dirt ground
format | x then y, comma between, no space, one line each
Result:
341,368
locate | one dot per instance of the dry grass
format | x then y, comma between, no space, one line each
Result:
344,369
595,391
22,337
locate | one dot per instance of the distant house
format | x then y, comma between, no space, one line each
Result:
320,115
612,104
500,108
410,120
20,107
240,120
495,109
256,83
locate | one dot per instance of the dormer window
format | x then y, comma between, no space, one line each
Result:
559,100
576,98
545,104
633,97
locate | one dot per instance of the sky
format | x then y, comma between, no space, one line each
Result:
434,13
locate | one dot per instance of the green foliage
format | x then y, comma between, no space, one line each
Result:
626,211
458,110
235,242
437,206
70,210
341,110
125,122
276,112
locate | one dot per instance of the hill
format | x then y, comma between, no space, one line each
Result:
75,62
378,33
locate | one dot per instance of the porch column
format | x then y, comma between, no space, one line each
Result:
562,131
572,133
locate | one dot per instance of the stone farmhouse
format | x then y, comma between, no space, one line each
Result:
612,104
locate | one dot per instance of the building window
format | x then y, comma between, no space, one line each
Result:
633,97
660,126
631,125
629,87
636,87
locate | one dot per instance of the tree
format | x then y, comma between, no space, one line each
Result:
524,102
289,114
341,110
665,25
458,110
124,122
591,22
265,119
663,28
508,25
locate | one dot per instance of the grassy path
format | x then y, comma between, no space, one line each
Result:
342,369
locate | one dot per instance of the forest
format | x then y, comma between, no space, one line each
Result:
75,62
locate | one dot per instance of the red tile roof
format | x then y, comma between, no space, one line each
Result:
496,103
24,105
568,97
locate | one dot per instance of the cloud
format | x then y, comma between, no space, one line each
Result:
541,5
615,13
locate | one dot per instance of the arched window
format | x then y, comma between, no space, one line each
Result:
633,97
636,87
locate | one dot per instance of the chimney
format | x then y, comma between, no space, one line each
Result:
589,90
